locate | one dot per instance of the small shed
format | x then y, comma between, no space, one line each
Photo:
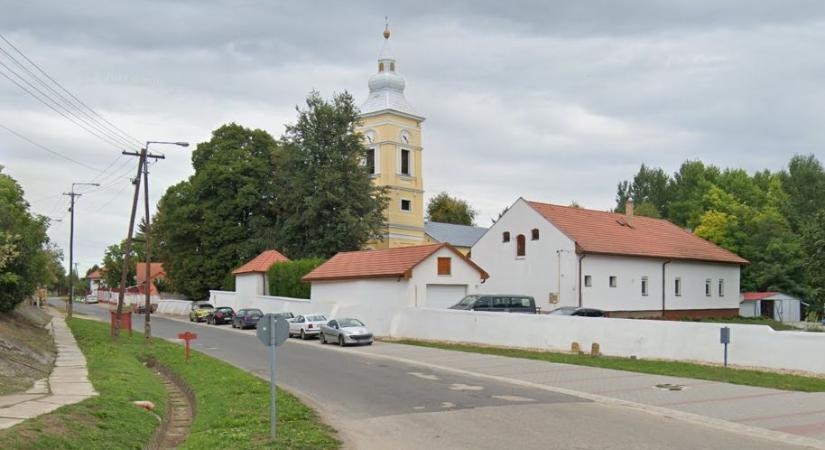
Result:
251,278
775,305
434,276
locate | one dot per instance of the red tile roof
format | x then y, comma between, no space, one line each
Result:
156,271
753,296
618,234
96,275
385,263
262,262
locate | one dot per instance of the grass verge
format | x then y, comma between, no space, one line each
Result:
670,368
232,405
778,326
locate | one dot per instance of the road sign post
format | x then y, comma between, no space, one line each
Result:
188,336
272,331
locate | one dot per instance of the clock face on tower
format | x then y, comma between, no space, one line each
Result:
405,138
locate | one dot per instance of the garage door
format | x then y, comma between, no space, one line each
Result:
444,295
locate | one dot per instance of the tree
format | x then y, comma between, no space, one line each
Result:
804,182
443,208
327,201
650,187
813,243
223,215
23,243
113,265
687,191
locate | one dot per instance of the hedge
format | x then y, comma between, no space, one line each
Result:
285,277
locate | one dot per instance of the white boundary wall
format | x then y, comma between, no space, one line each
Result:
751,345
174,307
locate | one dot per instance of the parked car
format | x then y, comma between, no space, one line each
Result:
576,311
345,331
306,326
220,315
140,308
199,312
90,299
246,318
497,303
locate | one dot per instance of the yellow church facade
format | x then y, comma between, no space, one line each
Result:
392,134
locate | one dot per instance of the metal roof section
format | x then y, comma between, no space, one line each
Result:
456,235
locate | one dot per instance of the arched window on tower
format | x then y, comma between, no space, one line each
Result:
380,67
521,245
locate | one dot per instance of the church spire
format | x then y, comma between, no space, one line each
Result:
387,86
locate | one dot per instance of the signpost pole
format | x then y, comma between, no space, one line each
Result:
272,346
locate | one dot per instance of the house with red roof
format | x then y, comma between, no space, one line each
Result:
630,266
773,305
386,280
156,272
95,279
251,278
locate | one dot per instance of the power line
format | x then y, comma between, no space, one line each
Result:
39,69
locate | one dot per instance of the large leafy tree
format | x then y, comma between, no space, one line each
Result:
649,191
813,241
804,181
326,200
443,208
222,215
23,246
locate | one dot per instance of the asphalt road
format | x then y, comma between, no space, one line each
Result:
382,404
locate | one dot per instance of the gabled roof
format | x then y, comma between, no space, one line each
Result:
96,275
261,263
753,296
457,235
619,234
386,263
155,269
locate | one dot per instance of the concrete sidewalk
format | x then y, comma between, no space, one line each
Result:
67,384
787,416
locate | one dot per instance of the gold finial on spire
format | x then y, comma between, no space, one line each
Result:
386,27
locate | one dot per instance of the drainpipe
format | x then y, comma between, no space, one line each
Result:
664,287
581,257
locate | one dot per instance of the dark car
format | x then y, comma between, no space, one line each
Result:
247,318
497,303
140,308
221,314
575,311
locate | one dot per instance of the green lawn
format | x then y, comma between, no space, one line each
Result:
232,405
677,369
778,326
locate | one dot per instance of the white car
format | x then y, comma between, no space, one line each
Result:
345,331
306,325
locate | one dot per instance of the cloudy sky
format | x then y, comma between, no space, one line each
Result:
553,101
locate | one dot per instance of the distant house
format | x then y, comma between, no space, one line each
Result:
434,275
774,305
156,272
251,279
462,237
631,266
95,279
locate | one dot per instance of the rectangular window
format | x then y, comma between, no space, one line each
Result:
406,205
444,266
371,160
505,237
588,281
721,287
707,287
677,287
644,286
535,234
405,162
613,281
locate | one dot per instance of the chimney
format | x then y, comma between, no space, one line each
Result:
628,207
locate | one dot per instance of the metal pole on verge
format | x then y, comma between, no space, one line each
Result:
272,375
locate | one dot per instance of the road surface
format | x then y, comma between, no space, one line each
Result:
381,404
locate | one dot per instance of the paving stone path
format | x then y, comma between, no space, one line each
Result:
67,384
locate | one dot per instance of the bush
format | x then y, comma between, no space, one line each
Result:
285,277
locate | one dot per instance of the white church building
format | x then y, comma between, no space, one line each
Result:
630,266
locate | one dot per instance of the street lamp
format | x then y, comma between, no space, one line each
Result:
72,195
147,328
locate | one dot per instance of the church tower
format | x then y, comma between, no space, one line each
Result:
392,131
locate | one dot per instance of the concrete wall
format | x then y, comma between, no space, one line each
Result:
751,345
174,307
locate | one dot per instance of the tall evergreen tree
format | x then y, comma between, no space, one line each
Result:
327,201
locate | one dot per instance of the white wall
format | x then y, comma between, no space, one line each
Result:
174,307
748,309
374,301
627,295
751,345
426,272
536,274
248,285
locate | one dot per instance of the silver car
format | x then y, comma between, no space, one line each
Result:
344,332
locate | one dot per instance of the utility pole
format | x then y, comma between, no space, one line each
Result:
142,167
72,195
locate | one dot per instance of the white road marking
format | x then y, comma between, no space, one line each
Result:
447,405
418,408
465,387
424,376
514,398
